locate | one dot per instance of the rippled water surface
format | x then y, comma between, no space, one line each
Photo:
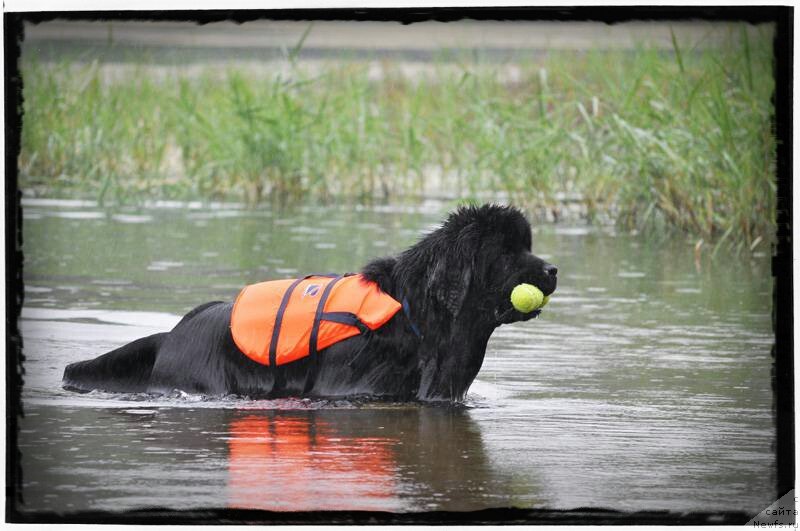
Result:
645,384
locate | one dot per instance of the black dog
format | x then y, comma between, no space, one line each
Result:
457,281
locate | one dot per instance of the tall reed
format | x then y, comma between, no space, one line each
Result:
653,139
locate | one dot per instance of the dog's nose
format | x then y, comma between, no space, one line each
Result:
551,270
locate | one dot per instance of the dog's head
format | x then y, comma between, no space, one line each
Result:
481,254
458,280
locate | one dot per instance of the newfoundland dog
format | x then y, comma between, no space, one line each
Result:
456,282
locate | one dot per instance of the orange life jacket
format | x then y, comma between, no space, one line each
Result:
280,321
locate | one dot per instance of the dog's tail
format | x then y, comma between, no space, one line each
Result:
123,370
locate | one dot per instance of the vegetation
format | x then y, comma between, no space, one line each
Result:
648,138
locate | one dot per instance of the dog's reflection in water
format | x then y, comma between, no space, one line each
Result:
290,462
380,458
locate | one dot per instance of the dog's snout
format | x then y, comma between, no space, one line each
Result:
550,270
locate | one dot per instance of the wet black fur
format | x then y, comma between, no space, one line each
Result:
457,280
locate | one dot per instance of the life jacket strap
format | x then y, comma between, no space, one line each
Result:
312,342
407,311
276,330
345,318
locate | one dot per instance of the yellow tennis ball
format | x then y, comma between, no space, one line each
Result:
545,300
526,298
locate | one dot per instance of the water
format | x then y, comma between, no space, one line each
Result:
645,383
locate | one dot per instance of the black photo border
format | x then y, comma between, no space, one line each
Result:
783,368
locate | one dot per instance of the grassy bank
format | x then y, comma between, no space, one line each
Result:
652,139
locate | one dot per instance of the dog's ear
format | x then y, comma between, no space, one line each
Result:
450,285
453,272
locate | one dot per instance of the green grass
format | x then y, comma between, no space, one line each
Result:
653,139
